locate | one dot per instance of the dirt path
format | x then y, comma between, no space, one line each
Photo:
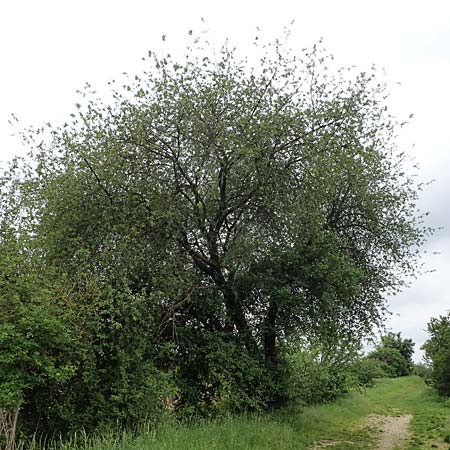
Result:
392,433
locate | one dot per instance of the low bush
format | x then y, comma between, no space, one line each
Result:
219,377
422,370
366,371
314,381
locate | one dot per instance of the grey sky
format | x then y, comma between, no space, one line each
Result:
48,49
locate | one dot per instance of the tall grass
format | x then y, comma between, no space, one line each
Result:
290,429
294,429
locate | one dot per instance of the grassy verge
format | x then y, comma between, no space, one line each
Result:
341,422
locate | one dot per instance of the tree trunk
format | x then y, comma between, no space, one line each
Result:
270,350
8,425
236,317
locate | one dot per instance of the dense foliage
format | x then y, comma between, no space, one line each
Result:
196,227
394,355
437,351
34,341
320,375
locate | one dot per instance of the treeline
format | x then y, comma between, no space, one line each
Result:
216,239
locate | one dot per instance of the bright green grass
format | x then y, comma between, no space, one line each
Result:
342,422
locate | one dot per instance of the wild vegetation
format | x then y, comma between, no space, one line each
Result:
216,239
394,355
352,422
437,351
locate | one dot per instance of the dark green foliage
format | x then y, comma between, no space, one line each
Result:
219,377
437,351
117,382
394,355
404,346
74,359
391,361
73,353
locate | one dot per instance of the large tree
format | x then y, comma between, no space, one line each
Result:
248,203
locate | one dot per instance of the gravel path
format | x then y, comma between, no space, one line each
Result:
394,432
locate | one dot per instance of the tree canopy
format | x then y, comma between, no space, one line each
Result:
237,207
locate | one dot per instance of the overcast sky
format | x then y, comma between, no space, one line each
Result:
49,49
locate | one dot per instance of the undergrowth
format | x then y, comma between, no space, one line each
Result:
340,423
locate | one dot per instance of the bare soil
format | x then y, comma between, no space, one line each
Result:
329,443
392,433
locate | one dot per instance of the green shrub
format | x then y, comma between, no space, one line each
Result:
422,370
437,351
365,372
75,358
36,338
117,382
314,381
219,376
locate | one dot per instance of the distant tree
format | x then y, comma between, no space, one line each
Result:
422,370
404,346
394,354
